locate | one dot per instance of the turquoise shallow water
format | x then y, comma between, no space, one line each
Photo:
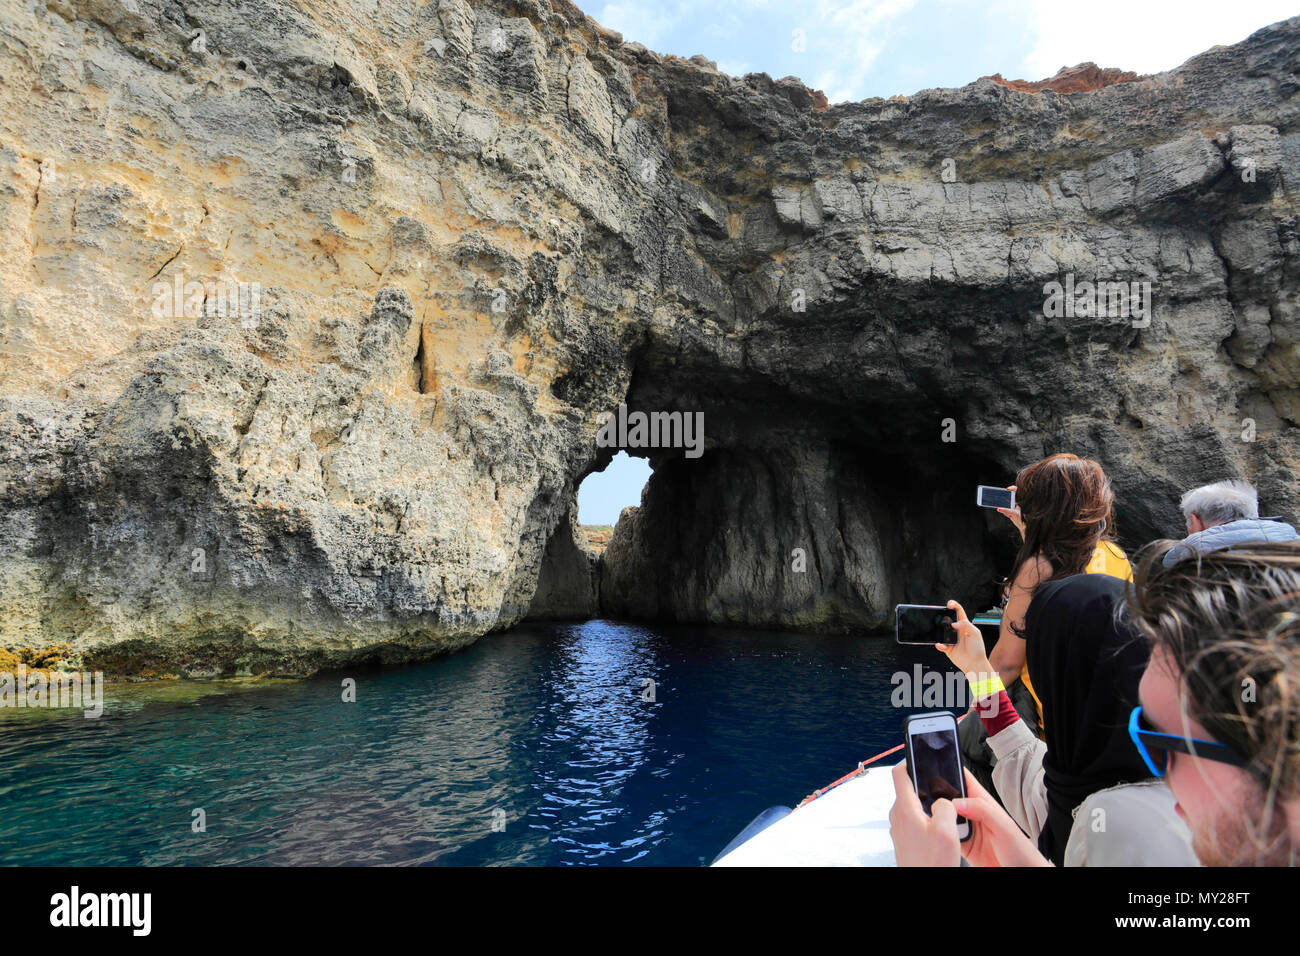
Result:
531,747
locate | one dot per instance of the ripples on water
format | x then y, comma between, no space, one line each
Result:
545,723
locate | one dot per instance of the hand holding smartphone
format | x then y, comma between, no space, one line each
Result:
934,761
924,624
988,496
1003,500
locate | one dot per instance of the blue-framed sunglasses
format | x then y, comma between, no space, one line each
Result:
1144,737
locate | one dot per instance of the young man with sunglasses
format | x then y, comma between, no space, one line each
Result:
1218,719
1220,699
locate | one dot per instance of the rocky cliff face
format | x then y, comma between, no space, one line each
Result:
308,310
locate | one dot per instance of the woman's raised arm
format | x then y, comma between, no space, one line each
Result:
1008,657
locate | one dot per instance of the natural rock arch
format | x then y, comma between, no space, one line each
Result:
475,230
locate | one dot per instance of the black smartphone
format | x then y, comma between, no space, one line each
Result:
987,496
934,761
924,624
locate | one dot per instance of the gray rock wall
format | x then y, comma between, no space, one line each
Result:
568,585
805,537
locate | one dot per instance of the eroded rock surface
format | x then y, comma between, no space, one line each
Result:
471,228
568,586
807,535
1083,78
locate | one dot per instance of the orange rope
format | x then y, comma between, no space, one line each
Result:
853,773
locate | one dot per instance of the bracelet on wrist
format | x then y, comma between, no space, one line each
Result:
986,687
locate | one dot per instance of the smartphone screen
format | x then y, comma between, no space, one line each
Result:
924,624
935,762
987,496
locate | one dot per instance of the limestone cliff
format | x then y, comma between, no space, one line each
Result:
308,310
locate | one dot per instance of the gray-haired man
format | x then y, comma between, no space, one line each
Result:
1223,514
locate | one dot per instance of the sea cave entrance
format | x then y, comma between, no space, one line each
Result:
800,515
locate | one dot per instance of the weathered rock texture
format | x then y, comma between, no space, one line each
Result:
568,587
1083,78
474,227
804,534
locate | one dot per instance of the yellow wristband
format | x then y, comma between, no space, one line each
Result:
980,689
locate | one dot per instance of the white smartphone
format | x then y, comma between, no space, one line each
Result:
934,761
987,496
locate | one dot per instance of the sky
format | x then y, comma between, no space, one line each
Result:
606,493
854,49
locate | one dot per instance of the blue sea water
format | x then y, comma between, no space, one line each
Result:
534,746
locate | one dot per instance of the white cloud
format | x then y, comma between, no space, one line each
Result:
858,46
861,30
735,67
639,21
1147,37
829,84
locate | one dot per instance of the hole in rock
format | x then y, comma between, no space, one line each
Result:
422,372
807,531
604,494
806,511
568,584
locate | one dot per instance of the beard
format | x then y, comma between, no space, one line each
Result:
1240,838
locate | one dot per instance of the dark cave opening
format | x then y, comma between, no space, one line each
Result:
813,535
799,515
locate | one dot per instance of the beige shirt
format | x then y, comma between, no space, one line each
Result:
1133,824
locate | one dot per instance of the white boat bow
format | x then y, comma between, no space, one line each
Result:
846,826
